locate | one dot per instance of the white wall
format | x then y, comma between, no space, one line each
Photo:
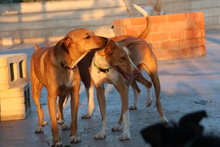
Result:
50,21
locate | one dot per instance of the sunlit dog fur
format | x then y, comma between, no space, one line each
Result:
55,69
119,64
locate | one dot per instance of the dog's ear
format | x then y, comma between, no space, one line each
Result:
155,134
192,118
65,43
132,44
110,47
36,46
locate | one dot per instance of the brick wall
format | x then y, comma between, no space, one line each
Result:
50,21
172,36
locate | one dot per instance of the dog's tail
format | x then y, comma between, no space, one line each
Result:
36,46
146,31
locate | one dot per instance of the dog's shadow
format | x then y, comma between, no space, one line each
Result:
187,133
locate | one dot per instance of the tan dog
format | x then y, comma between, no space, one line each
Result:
85,63
55,69
116,64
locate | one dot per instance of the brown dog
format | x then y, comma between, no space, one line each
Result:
116,65
85,64
55,69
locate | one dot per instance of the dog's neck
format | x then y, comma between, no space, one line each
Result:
99,60
65,59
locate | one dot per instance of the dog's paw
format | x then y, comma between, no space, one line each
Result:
65,126
124,136
164,120
86,116
149,102
116,128
132,108
99,136
45,124
57,144
75,139
39,130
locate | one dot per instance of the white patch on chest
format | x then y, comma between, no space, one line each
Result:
68,82
97,76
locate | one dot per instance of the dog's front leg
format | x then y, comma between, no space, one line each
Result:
54,126
123,90
102,105
90,96
74,112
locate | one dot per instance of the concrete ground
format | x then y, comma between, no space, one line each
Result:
183,81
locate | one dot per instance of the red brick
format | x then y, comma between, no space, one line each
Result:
138,21
195,33
200,16
118,31
177,35
169,45
159,19
201,51
155,28
159,36
195,16
200,24
117,22
161,54
176,17
187,43
155,45
173,54
186,53
190,25
126,22
131,31
201,41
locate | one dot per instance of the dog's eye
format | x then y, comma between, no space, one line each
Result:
87,37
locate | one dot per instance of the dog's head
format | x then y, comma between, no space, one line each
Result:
172,135
82,41
118,56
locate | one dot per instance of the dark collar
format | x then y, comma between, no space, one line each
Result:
67,67
101,69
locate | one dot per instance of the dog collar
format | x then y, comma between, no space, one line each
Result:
101,69
67,67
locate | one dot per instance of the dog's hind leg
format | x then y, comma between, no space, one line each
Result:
102,106
148,85
86,79
90,97
36,94
136,91
61,119
152,72
123,90
52,97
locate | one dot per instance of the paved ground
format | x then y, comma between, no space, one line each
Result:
183,81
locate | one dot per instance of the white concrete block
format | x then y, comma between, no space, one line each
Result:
13,69
15,103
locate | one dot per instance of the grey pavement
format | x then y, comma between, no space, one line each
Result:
183,82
